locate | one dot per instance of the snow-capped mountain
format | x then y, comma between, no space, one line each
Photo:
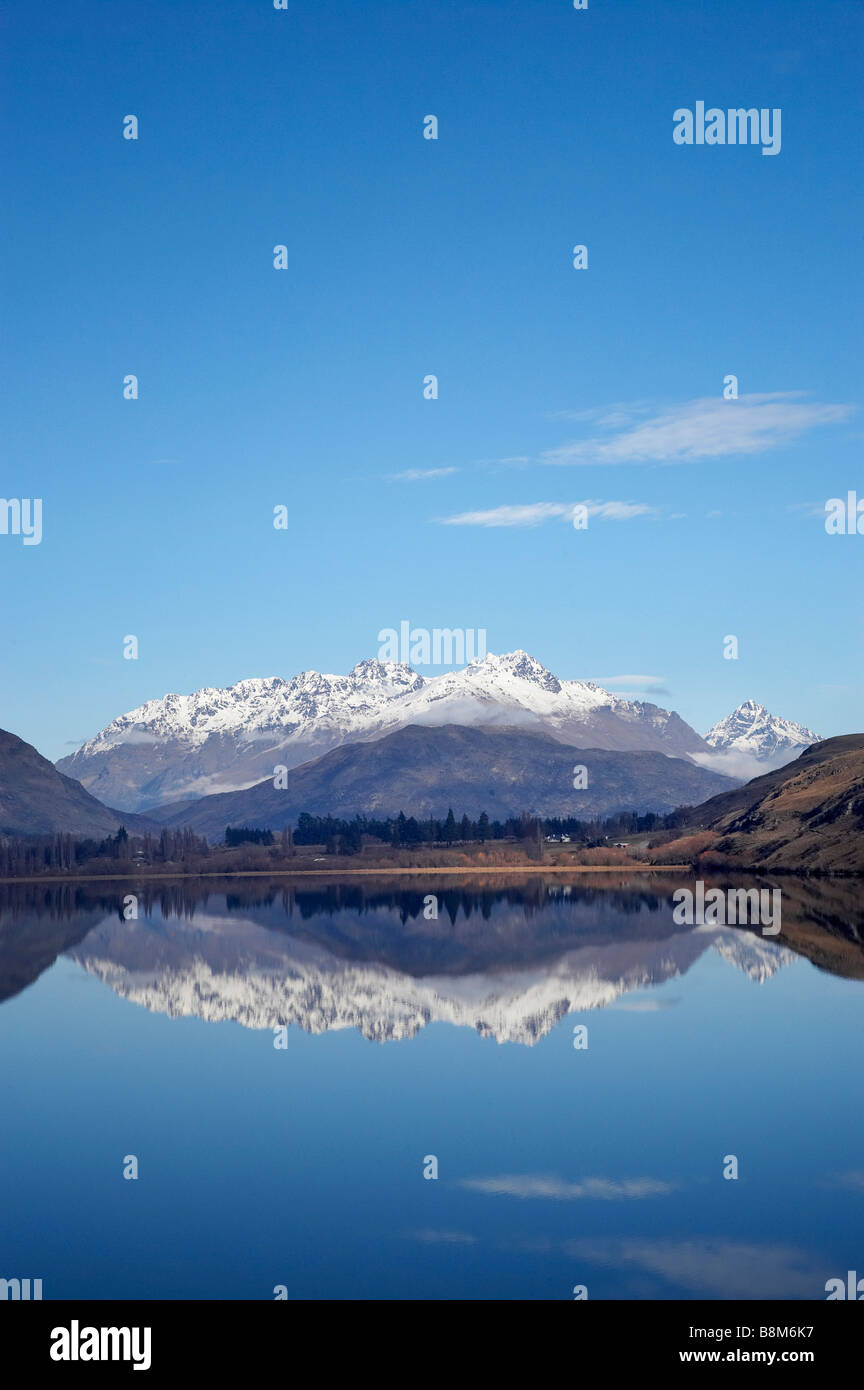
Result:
752,730
215,740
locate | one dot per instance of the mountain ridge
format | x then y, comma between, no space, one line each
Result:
228,739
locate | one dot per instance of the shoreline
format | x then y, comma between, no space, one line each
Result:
354,873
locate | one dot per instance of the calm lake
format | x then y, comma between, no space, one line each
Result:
409,1038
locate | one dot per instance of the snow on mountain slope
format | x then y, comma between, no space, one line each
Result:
226,739
349,703
752,730
261,707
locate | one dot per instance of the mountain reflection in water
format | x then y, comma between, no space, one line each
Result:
508,960
294,1159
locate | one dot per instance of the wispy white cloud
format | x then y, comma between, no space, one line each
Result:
607,417
556,1189
629,680
808,508
706,428
704,1265
413,475
731,762
134,736
442,1237
536,513
716,1268
734,762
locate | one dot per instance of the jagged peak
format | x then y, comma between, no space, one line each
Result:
370,668
754,729
520,664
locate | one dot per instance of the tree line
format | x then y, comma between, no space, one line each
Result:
247,835
34,855
346,836
21,856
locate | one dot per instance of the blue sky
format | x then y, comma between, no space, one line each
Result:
408,257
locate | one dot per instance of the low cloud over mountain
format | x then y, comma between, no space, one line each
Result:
217,740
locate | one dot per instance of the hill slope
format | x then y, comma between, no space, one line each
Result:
807,815
36,799
424,771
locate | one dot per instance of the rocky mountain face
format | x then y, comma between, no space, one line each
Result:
753,730
36,799
424,771
187,746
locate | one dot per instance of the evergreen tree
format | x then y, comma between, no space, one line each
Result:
413,832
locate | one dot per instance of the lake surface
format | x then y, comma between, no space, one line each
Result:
407,1037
